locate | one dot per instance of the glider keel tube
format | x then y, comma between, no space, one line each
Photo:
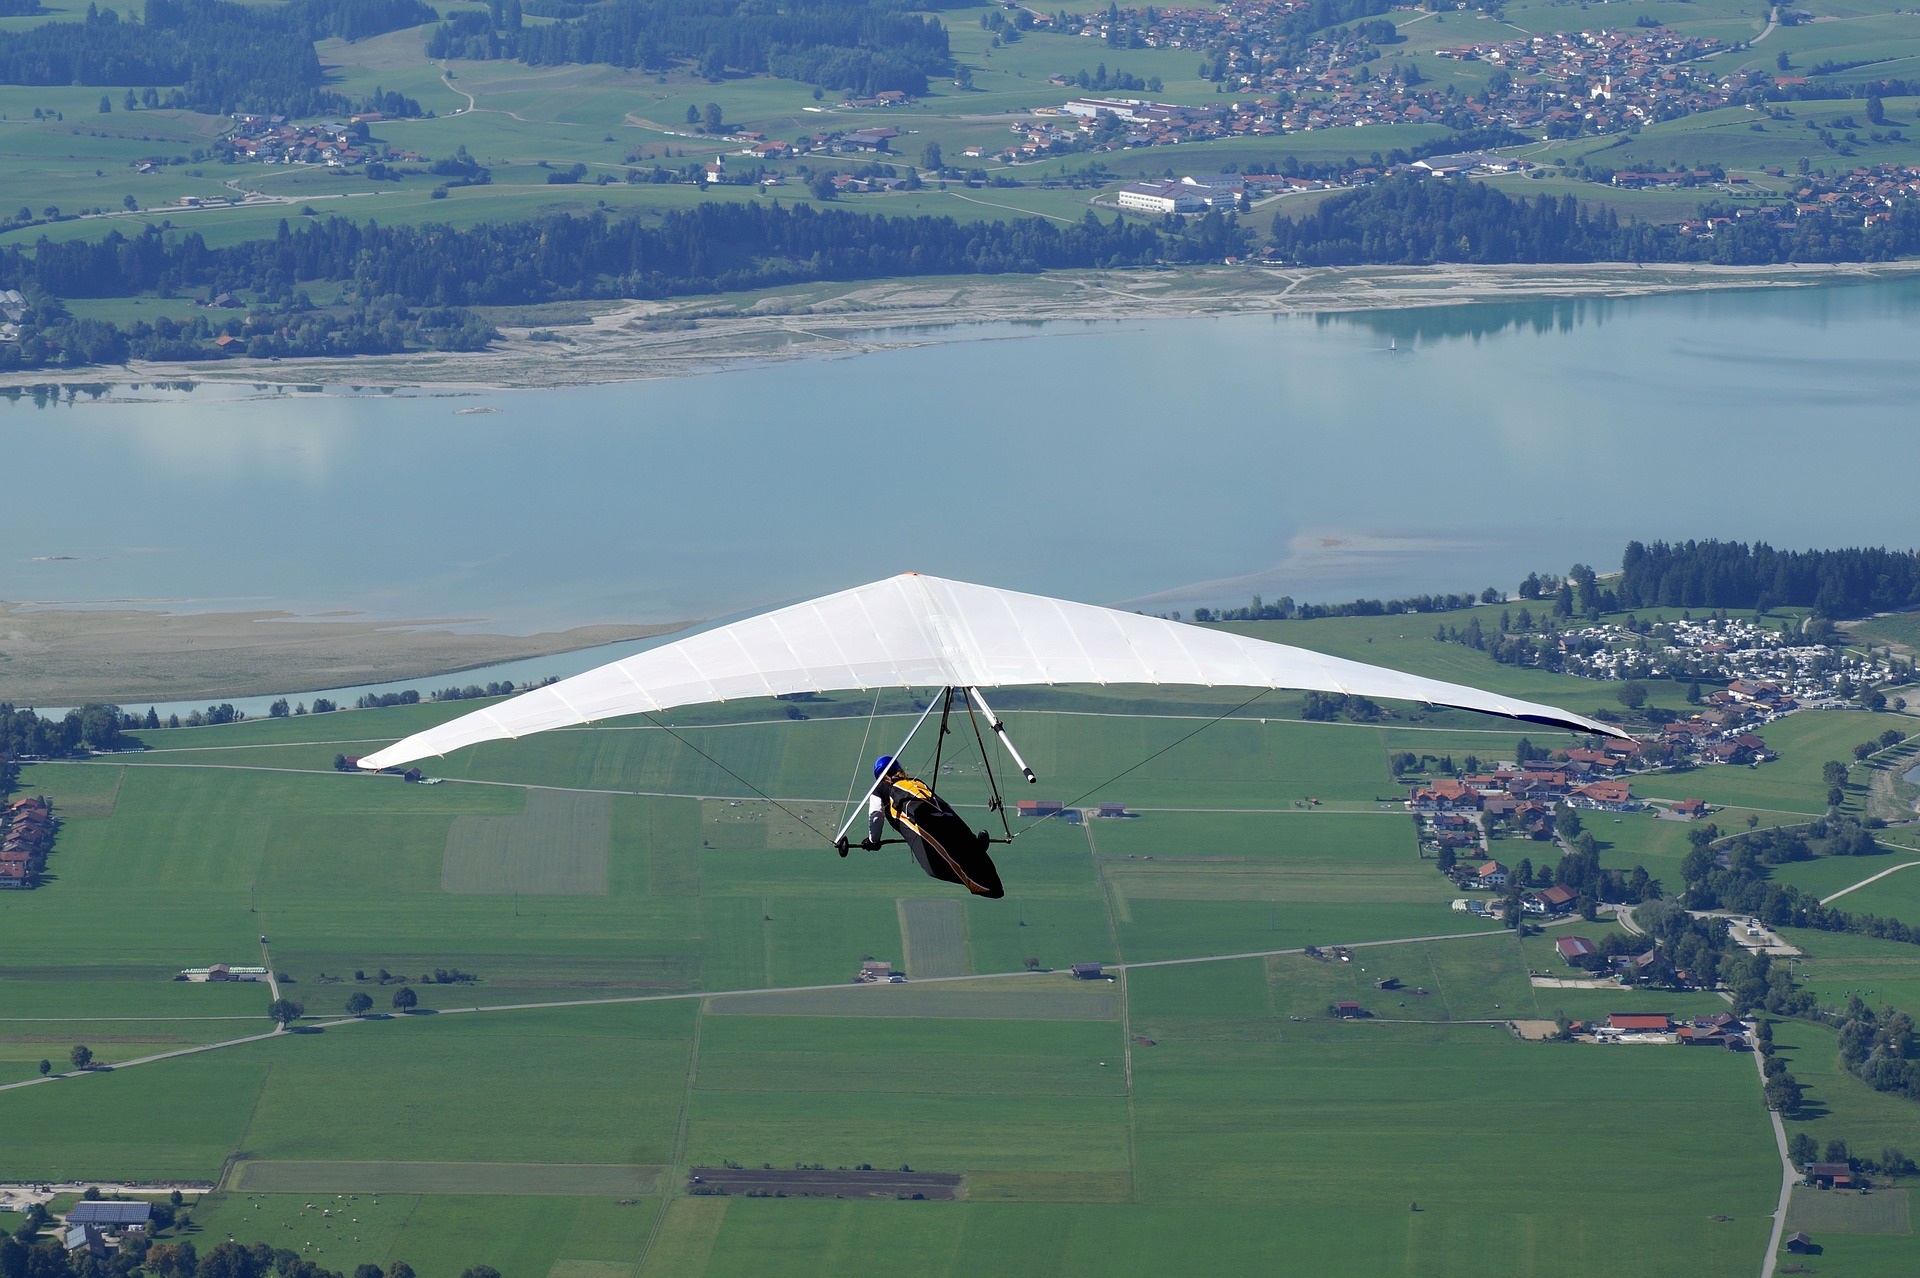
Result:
913,631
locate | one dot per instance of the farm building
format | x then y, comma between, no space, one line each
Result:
1039,807
1491,875
873,970
1088,972
1640,1022
1830,1175
110,1216
1575,947
1557,899
1349,1011
1799,1244
222,972
85,1238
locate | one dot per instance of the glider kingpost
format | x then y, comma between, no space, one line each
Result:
914,631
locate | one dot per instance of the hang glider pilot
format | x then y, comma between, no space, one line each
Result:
938,837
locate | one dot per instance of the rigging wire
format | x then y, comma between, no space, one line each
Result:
735,775
993,783
853,783
1075,801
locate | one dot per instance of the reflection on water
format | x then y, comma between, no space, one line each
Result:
1432,325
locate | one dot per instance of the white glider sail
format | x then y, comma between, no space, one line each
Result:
914,631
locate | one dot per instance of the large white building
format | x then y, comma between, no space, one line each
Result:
1121,108
1175,195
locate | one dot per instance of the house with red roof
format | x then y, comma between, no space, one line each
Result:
1575,947
1557,899
1444,796
1608,796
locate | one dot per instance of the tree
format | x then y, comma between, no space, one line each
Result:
81,1056
480,1271
1032,964
1783,1093
1803,1149
693,114
404,999
106,105
279,709
285,1011
46,1067
1834,773
1782,62
714,117
1836,1152
1632,694
399,1269
366,1271
358,1004
130,102
931,158
1693,693
1876,109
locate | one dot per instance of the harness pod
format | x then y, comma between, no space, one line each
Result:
939,838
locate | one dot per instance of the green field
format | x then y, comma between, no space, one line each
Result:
1101,1126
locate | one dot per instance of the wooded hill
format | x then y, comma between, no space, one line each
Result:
1732,574
220,57
863,45
387,271
1411,220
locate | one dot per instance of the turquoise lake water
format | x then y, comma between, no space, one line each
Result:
1159,464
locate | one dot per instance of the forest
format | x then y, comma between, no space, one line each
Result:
1412,220
1731,574
25,735
858,45
388,271
218,57
722,246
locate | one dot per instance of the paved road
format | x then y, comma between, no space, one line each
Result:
1872,878
1787,1176
692,994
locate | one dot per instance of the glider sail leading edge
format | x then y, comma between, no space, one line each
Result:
914,631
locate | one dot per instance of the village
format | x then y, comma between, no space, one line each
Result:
1601,81
26,836
273,139
1769,672
1590,81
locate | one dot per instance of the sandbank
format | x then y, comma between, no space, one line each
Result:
54,657
631,341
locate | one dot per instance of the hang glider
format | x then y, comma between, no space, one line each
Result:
914,631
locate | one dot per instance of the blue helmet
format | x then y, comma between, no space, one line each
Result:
881,764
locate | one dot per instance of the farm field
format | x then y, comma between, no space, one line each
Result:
1096,1124
525,123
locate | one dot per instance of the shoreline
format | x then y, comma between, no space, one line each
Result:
638,341
56,657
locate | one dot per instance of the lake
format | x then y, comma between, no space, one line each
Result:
1160,464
